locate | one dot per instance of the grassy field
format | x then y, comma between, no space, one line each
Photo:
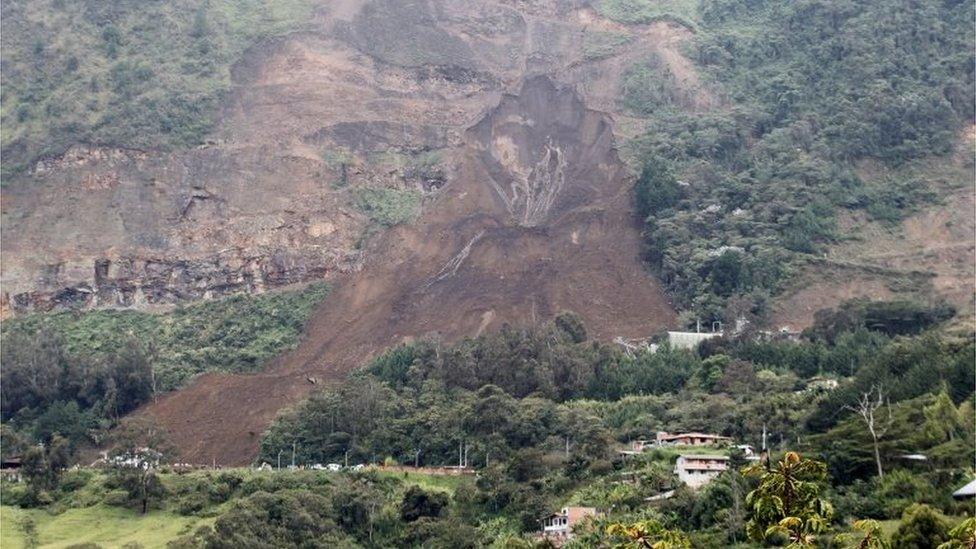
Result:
82,517
102,525
444,483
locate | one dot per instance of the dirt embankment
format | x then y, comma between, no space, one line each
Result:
536,220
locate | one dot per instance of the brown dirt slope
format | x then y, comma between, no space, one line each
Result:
536,220
930,256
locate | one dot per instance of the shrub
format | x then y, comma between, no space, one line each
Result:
389,206
601,44
921,528
418,503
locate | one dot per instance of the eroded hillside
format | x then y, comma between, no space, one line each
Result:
451,166
276,195
535,221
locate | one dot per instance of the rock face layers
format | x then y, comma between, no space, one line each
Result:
527,208
123,228
473,261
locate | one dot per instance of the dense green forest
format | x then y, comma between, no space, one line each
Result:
130,73
76,373
737,197
551,387
540,413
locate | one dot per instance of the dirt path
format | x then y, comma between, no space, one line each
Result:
537,220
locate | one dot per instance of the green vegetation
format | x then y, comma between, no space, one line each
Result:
389,207
233,334
77,373
98,524
237,508
126,73
540,414
787,503
683,12
815,90
602,44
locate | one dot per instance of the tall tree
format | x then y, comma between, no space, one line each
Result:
140,446
877,424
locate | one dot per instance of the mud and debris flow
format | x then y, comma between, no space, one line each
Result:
537,220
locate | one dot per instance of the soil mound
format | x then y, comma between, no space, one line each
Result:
536,220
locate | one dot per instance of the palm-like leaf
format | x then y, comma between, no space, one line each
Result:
787,501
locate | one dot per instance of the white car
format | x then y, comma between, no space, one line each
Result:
334,467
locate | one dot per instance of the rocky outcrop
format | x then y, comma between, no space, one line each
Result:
103,227
143,282
382,94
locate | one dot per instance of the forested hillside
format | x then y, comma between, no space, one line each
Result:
377,273
76,375
129,74
738,197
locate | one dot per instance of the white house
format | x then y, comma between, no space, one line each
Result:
559,526
698,470
689,340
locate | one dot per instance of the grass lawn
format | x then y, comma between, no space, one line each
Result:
107,526
443,483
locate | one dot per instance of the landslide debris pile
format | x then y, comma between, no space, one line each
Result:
536,220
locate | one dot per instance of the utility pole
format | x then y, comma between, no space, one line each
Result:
764,453
279,458
293,445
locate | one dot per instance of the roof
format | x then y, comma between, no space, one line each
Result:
693,435
966,491
661,497
572,509
705,457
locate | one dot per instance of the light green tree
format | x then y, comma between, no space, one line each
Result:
963,536
941,418
867,534
787,501
646,534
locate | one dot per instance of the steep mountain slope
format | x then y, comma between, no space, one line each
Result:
535,221
451,166
930,255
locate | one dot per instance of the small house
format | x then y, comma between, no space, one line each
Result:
10,468
691,439
698,470
559,526
641,445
